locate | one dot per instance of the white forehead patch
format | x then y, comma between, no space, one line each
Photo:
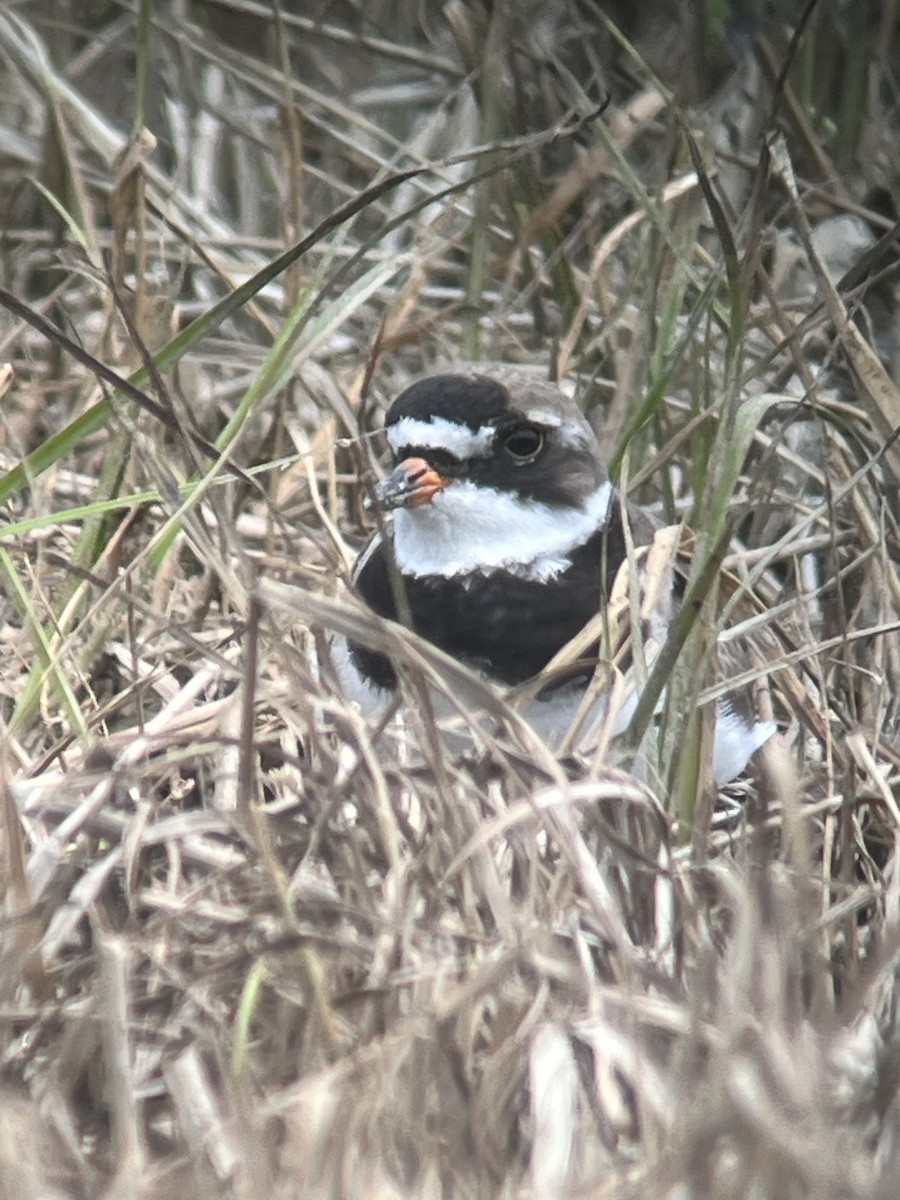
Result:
441,434
467,528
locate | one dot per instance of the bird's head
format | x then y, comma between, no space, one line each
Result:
491,469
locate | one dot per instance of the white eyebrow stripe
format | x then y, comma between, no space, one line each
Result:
543,416
572,433
441,434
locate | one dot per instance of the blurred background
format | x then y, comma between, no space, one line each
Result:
250,943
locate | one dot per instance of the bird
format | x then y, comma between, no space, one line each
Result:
507,535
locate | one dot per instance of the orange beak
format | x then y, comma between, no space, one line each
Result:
412,482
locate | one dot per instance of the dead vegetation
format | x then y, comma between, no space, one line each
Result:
253,945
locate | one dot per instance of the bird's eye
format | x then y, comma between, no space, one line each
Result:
524,443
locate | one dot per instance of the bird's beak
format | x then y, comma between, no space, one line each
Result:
412,482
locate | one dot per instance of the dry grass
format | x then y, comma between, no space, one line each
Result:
253,945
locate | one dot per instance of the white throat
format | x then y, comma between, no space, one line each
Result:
466,528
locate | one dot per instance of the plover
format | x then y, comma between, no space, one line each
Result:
507,536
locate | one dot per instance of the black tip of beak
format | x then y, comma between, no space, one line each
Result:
412,482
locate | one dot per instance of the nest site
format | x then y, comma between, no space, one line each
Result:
253,941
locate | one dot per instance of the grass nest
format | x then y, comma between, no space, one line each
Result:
253,943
